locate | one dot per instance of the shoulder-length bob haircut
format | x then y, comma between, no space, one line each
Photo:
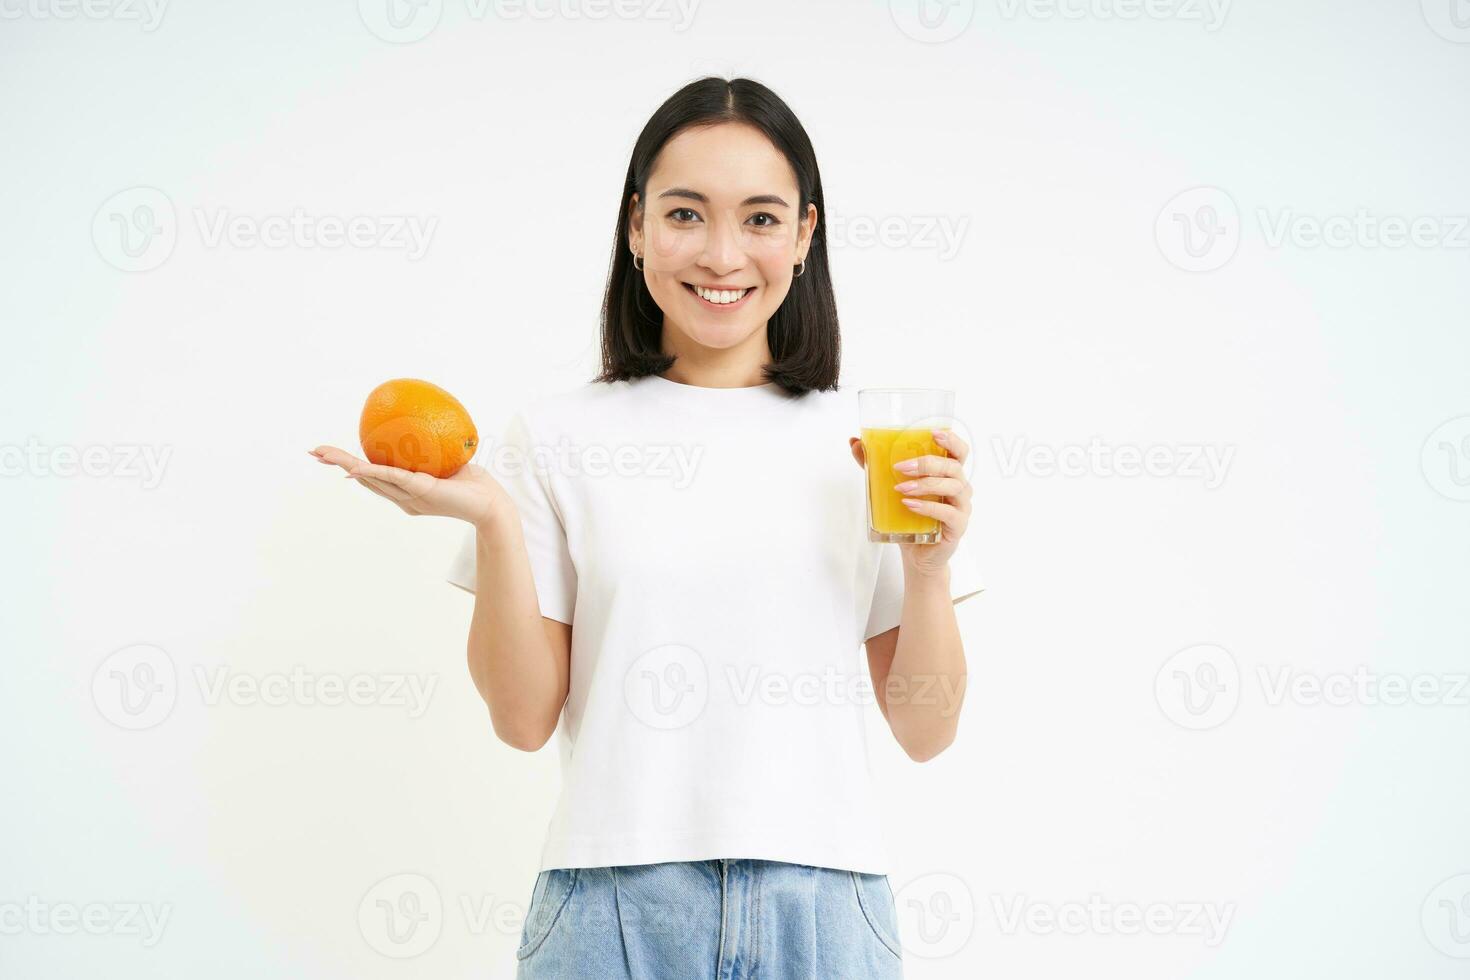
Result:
803,334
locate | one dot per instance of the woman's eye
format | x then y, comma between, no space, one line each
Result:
683,215
768,222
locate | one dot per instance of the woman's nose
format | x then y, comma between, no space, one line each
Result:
723,252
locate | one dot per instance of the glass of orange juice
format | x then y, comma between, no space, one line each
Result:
898,424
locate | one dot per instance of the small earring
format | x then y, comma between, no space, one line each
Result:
800,269
636,257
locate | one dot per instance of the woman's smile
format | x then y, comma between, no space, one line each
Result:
720,298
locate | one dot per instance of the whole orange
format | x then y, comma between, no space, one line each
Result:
417,426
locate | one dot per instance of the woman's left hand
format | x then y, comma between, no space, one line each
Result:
941,476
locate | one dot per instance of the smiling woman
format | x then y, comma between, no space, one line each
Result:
674,576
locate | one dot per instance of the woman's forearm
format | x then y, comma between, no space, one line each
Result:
521,678
926,682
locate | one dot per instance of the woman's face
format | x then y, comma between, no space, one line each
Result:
720,233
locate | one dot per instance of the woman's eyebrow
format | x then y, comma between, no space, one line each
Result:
696,196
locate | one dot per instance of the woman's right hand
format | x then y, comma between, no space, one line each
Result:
471,494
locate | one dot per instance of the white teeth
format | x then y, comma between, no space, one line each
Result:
720,296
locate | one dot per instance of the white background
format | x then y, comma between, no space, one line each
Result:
1063,314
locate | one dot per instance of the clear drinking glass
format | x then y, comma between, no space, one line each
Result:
899,424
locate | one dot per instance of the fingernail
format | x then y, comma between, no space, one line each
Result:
911,501
907,466
906,486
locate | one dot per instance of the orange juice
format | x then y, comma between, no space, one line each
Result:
884,447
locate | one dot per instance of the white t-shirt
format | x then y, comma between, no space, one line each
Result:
709,546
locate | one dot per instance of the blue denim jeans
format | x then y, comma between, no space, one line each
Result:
725,919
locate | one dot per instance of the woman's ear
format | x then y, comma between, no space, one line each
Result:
804,232
635,222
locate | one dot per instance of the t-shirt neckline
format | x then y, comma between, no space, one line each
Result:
701,391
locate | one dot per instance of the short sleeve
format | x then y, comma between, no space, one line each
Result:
887,608
524,475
